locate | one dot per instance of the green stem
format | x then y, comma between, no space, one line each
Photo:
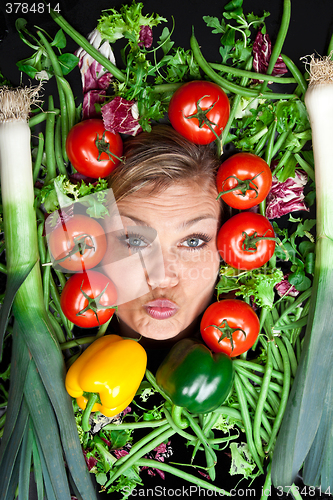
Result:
176,414
93,398
132,459
251,74
49,143
41,117
276,51
226,84
39,156
58,148
183,475
135,425
83,42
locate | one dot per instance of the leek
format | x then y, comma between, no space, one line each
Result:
39,409
308,420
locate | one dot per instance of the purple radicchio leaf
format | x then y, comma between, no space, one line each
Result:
262,49
286,197
146,37
95,79
120,115
285,288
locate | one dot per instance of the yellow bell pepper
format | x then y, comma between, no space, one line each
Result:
106,376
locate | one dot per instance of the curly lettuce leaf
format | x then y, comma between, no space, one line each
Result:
126,22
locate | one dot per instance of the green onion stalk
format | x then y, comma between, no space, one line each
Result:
306,435
40,426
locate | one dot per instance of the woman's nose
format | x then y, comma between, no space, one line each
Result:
166,276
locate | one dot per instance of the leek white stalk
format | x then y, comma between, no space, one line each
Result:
55,432
308,421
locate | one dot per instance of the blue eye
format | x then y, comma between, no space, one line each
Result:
134,241
196,241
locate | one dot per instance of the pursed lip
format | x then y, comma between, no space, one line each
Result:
161,308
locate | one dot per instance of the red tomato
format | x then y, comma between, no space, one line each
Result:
244,167
187,101
229,315
73,301
240,251
82,239
86,144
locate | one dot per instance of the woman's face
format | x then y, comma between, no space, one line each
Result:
173,235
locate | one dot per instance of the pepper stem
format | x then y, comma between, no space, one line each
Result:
92,399
176,413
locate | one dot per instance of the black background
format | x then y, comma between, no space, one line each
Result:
310,31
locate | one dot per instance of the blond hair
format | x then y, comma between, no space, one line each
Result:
159,158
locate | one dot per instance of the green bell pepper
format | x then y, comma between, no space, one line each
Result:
195,378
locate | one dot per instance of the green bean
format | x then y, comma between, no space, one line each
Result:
184,475
226,84
150,377
56,327
261,401
277,356
58,148
62,99
39,156
291,354
135,425
49,143
3,268
83,42
198,431
41,242
266,489
229,412
254,394
253,404
251,74
276,51
41,117
246,421
275,387
305,166
279,143
56,299
69,344
234,107
273,400
133,456
270,143
295,72
260,145
70,101
256,367
301,298
210,463
284,394
178,429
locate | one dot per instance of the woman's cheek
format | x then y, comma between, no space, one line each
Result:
201,267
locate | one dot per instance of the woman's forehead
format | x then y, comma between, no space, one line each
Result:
185,202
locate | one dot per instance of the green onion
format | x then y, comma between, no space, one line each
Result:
306,424
36,351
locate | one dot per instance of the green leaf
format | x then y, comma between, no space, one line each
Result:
45,423
59,40
119,438
25,463
68,62
241,460
213,22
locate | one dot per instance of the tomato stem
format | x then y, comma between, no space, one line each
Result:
104,147
94,303
227,331
250,241
243,185
201,116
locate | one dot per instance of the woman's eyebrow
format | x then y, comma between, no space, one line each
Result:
191,222
134,219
